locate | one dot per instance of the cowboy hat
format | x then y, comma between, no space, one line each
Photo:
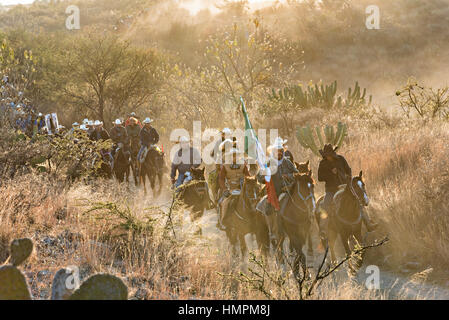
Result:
85,120
118,121
280,141
147,120
328,150
90,123
97,123
277,145
75,124
83,127
226,131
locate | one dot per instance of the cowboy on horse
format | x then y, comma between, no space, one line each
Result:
230,180
335,171
282,175
185,159
148,137
119,137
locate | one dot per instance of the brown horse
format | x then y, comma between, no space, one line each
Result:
122,164
242,218
134,149
296,219
194,194
153,167
346,220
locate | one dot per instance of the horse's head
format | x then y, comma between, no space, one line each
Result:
198,174
304,189
250,191
303,167
358,189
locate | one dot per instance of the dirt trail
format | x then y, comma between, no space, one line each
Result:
392,285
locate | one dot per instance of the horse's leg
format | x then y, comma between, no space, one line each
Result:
243,247
300,259
143,177
331,237
160,179
262,236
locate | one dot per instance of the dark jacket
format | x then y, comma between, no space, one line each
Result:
285,168
119,134
183,163
101,134
333,180
289,156
133,131
148,136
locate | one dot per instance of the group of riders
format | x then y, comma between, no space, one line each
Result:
227,178
138,137
134,137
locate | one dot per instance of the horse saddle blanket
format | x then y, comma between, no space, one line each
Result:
143,155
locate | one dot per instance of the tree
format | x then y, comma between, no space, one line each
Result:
245,59
106,76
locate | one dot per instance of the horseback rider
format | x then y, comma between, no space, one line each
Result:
216,151
119,136
230,180
282,170
335,171
185,159
98,133
148,137
133,130
131,118
287,153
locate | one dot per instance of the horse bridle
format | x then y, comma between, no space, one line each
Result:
351,188
304,199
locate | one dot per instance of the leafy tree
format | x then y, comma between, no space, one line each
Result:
106,76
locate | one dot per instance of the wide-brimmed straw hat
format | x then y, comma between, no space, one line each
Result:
277,145
226,131
328,150
147,120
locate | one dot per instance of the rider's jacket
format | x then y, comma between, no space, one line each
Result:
284,167
184,159
119,134
232,174
148,136
288,155
331,179
133,130
101,134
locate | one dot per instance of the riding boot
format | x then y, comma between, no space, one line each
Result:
370,226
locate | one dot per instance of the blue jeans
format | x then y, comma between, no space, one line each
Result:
180,180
